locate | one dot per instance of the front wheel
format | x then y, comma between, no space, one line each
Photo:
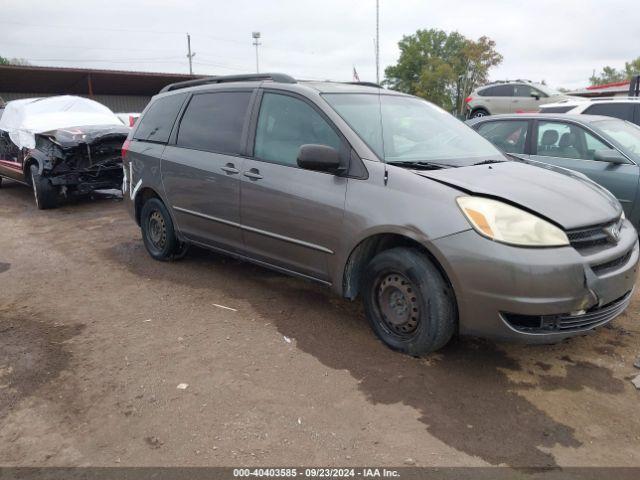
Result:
408,303
45,194
158,233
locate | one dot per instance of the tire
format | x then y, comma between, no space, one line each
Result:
0,182
45,194
408,303
480,112
158,233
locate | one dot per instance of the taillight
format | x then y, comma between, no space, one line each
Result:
468,99
125,148
132,120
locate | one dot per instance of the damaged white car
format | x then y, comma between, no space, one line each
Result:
63,145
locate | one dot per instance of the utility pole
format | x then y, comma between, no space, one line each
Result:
378,41
189,54
256,43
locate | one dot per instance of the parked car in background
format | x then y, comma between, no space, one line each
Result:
509,97
624,108
128,119
382,196
605,149
61,145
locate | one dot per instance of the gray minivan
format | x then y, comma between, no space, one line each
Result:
382,196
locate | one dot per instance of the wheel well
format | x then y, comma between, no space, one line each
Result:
369,248
142,196
477,109
27,169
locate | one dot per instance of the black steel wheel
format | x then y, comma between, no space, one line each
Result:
399,305
409,304
158,233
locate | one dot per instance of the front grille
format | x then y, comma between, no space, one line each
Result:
567,322
605,267
583,238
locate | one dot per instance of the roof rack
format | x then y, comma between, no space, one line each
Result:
519,80
255,77
364,84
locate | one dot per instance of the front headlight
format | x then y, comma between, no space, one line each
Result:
504,223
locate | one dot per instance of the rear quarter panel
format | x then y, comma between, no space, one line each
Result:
142,170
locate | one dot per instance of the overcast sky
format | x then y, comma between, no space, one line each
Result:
561,41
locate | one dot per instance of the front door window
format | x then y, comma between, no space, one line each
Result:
565,140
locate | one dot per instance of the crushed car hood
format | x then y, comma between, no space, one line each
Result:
25,118
556,194
73,136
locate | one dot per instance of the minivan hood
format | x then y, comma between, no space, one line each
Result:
555,194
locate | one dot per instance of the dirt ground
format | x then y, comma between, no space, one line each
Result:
95,337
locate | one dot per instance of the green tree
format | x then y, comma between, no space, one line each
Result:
611,74
13,61
442,67
632,68
19,61
607,75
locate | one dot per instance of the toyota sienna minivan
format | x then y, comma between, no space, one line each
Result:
381,196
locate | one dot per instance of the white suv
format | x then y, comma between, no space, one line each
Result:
518,96
624,108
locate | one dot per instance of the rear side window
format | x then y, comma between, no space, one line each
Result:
285,124
156,124
485,92
509,136
623,111
497,91
213,122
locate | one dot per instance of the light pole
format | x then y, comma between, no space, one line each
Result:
256,42
189,54
378,42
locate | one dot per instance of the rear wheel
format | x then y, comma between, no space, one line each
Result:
408,303
158,233
480,112
45,194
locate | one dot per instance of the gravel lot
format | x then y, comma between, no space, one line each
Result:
95,337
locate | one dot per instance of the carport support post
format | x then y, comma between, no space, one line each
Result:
90,85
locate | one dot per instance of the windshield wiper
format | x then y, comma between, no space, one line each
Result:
487,162
422,164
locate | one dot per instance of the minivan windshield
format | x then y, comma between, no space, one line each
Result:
406,129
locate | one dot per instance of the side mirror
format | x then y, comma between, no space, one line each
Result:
535,95
319,158
609,156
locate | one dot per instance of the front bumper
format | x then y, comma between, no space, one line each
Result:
87,181
537,295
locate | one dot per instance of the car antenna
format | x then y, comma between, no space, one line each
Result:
386,167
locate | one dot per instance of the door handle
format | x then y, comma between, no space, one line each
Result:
230,169
253,174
